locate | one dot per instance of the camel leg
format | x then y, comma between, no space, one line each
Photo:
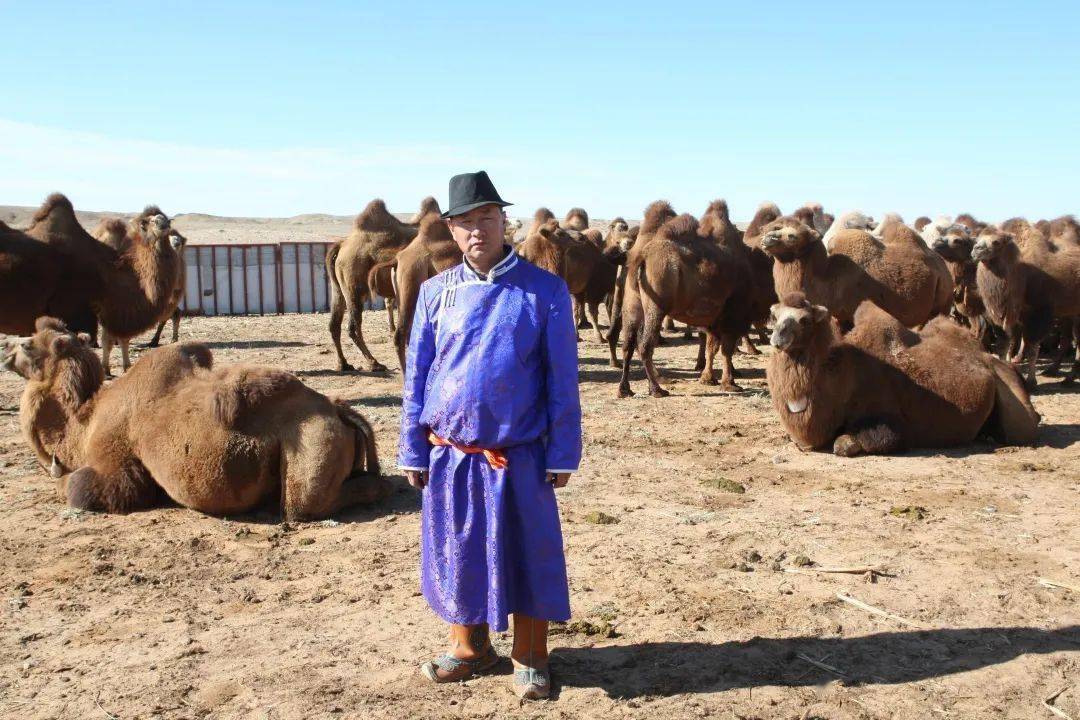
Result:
878,439
615,326
1064,336
748,346
699,364
593,311
175,325
156,340
728,343
650,331
576,313
390,314
124,353
337,312
1075,372
669,324
119,490
106,351
356,332
711,344
688,333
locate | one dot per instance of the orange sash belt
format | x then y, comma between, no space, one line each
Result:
495,458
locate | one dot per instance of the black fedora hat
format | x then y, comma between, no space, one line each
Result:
471,190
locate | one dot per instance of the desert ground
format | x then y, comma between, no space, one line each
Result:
696,535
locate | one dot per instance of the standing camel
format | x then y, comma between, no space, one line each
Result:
377,236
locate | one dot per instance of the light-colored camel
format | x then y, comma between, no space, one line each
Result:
898,273
851,220
179,242
577,260
129,289
220,441
376,237
888,219
148,241
510,229
431,251
697,273
882,388
1026,282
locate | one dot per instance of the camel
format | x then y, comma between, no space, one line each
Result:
851,220
888,219
34,282
974,226
148,240
1026,282
578,261
953,243
899,272
431,251
376,237
882,388
1063,231
541,216
249,436
813,214
510,230
179,242
128,289
697,273
634,242
761,264
921,222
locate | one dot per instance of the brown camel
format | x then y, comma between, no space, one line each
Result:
1063,231
1026,282
541,216
635,241
882,388
899,273
179,242
697,273
510,229
128,290
761,263
34,281
968,220
576,219
954,244
147,241
921,222
578,261
249,437
376,237
431,251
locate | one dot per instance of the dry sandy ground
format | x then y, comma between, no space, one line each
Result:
172,614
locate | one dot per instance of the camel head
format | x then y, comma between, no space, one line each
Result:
36,357
618,225
953,242
788,238
968,221
577,219
152,225
556,234
796,321
177,241
995,244
855,220
511,227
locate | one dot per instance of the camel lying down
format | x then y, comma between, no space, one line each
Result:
882,388
221,441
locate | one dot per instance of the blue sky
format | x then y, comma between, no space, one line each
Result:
276,109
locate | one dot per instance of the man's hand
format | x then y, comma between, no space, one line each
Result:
559,480
417,478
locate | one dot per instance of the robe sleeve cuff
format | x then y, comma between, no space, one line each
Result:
549,470
406,467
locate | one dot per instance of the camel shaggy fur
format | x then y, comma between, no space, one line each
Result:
376,237
541,216
898,273
35,281
697,273
1026,282
128,290
954,244
249,437
577,260
179,242
882,388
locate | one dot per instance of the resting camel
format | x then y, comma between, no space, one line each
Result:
898,273
697,274
129,289
147,241
882,388
1026,282
376,237
566,253
220,441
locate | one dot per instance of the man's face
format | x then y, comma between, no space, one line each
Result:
479,235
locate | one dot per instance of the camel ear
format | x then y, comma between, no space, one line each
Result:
820,312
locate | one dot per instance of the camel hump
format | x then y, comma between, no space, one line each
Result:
719,208
766,213
576,219
429,206
656,214
678,228
871,321
374,216
55,206
366,458
859,245
433,227
242,393
542,215
112,232
1014,420
197,353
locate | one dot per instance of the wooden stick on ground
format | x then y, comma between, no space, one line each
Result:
821,665
1055,584
1051,708
878,611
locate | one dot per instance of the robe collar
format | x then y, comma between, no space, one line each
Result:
510,259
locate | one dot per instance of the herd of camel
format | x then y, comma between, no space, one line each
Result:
885,336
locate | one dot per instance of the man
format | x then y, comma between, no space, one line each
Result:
491,425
